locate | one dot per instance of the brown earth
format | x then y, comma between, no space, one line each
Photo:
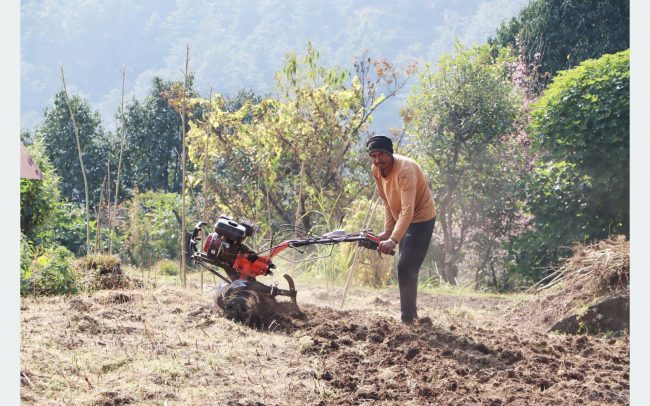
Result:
150,346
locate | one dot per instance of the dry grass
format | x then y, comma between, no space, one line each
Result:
593,273
165,344
598,268
148,346
98,272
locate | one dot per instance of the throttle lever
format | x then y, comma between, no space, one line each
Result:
372,242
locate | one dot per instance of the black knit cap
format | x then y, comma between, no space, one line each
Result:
379,142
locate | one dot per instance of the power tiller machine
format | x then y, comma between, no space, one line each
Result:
241,295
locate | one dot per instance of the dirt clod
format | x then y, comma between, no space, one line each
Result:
380,302
110,398
120,298
411,353
79,304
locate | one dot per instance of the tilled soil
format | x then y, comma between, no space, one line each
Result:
370,357
376,359
172,345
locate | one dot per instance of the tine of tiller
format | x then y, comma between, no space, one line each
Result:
292,288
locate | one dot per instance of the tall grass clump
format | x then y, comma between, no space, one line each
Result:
102,264
101,271
368,267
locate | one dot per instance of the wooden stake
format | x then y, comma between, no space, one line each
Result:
183,108
119,166
81,161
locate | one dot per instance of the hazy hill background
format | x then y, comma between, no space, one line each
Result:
234,44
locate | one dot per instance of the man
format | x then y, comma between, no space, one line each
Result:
410,216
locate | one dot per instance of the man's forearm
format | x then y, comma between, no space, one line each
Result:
389,221
402,224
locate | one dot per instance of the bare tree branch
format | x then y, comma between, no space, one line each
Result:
81,161
183,112
111,218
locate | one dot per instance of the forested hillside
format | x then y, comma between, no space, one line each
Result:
241,43
524,160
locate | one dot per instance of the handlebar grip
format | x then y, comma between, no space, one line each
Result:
197,228
372,242
195,237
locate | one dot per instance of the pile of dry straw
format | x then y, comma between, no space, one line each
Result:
596,269
594,273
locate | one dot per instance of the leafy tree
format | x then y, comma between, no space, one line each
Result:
58,138
495,210
579,188
151,159
233,103
309,131
227,172
38,198
459,116
45,218
26,137
559,34
292,152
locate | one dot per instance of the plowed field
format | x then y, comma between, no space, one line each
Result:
171,345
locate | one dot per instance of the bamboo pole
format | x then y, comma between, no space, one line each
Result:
206,129
299,199
183,111
81,161
108,196
119,167
98,216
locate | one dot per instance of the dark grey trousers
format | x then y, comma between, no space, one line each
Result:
412,250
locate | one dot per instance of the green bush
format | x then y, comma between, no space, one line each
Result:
26,257
579,189
51,273
68,227
45,218
167,267
152,227
38,198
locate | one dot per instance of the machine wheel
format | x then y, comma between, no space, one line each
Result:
251,303
238,301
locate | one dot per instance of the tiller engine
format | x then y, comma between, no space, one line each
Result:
241,295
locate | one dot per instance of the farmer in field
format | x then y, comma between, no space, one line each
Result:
410,216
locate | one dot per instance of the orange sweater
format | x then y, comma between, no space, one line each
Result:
406,195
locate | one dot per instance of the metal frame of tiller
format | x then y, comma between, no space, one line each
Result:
241,263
